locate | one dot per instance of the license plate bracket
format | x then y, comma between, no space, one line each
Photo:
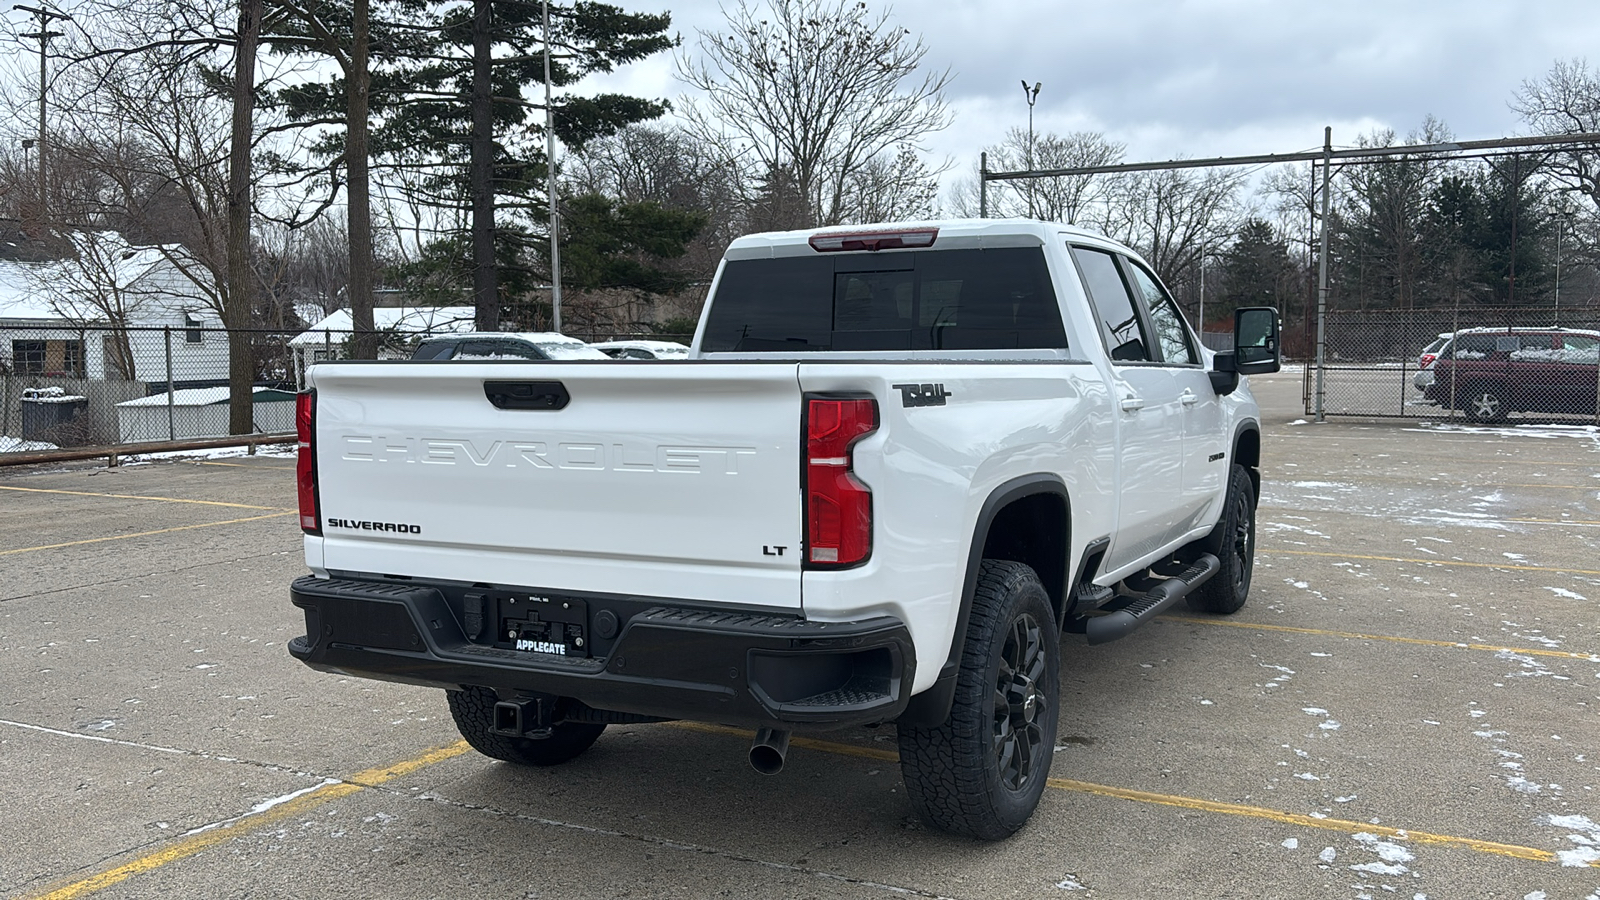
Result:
544,624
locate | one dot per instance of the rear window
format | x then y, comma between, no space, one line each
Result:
926,300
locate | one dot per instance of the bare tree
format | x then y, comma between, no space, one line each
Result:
669,166
814,88
891,187
1566,100
1171,216
1067,198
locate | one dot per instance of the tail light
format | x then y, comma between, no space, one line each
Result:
305,466
838,505
1426,361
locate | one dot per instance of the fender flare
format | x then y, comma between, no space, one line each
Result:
932,706
1247,426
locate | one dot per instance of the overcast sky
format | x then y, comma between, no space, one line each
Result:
1214,77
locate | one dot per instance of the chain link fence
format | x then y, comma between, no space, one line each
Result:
63,388
1479,364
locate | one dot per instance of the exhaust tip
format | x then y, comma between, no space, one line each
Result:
768,750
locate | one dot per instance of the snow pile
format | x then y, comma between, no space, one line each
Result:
1587,839
1587,356
50,395
10,444
1392,856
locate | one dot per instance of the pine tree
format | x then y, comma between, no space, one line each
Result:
457,130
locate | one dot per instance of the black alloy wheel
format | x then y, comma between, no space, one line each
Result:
1021,703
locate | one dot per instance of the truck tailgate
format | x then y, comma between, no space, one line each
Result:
673,480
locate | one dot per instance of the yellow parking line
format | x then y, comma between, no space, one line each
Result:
123,537
1272,815
1356,635
1212,806
1437,561
137,497
196,841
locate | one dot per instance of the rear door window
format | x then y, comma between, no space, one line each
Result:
1165,320
1474,346
999,298
1120,327
1534,348
1575,348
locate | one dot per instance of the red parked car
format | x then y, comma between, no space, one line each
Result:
1489,372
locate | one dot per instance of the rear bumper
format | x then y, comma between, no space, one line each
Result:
653,659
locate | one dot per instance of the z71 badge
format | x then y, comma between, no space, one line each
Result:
922,394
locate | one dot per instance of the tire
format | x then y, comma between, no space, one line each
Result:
473,710
1485,405
982,771
1234,544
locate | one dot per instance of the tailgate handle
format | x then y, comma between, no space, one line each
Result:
527,394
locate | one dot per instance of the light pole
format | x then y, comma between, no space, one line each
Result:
1032,94
550,165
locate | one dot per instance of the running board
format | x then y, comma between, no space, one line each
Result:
1121,622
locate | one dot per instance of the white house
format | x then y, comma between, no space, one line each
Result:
326,339
115,313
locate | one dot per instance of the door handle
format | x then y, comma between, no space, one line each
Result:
1132,404
1189,397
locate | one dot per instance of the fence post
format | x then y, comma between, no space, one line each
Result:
172,430
1322,266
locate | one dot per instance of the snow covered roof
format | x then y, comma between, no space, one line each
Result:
210,396
412,319
18,299
66,290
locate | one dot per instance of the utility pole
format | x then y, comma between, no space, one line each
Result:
44,34
1032,94
550,166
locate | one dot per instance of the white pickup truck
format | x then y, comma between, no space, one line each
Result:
901,462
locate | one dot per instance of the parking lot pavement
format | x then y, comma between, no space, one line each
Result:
1406,707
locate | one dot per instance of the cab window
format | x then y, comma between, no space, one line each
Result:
1165,320
1120,326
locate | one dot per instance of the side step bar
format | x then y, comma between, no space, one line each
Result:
1121,622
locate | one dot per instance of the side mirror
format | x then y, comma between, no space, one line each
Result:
1255,340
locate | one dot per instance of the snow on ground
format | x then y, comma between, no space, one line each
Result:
1585,834
272,450
1543,431
10,444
